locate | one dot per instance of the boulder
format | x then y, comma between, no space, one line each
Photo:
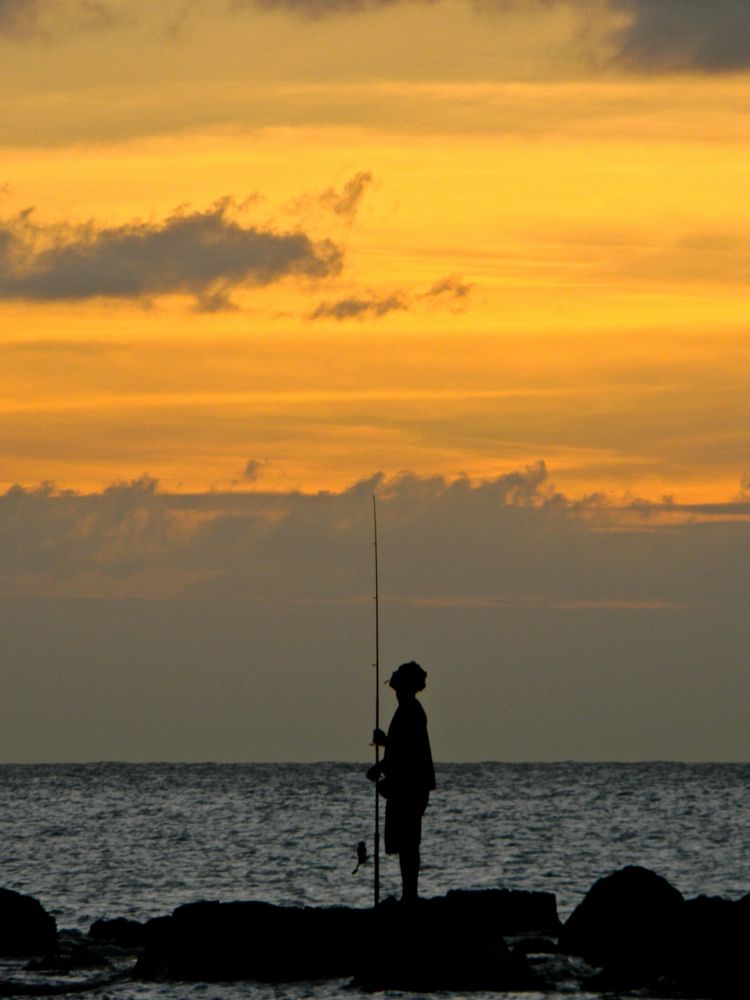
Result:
25,926
626,924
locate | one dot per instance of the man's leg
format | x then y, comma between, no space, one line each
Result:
408,858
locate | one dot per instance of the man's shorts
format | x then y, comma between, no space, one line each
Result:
403,821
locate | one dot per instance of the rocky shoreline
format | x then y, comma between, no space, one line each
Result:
632,932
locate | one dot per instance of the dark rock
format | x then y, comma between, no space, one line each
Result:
626,925
432,946
452,942
120,931
709,958
25,926
504,911
213,941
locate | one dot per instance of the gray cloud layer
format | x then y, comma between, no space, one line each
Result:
205,254
550,628
511,539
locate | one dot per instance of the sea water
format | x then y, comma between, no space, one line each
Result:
137,840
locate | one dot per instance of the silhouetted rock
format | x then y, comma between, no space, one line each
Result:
25,926
452,942
504,911
640,932
212,941
626,924
442,944
709,958
632,926
120,931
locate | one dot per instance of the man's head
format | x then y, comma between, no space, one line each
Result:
408,678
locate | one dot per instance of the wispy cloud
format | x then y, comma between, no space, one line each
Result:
453,288
343,202
360,307
253,470
205,254
346,202
451,291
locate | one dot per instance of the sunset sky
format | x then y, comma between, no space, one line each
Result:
487,259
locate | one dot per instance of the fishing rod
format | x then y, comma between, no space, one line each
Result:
376,866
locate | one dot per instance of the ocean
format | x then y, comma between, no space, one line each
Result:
136,840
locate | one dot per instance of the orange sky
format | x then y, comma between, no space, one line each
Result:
543,255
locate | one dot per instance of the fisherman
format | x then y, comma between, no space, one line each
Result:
406,775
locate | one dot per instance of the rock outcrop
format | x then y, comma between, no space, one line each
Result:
453,942
632,931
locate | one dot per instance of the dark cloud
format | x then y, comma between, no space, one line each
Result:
669,35
360,307
709,35
205,254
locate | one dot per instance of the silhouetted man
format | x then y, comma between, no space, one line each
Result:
408,774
